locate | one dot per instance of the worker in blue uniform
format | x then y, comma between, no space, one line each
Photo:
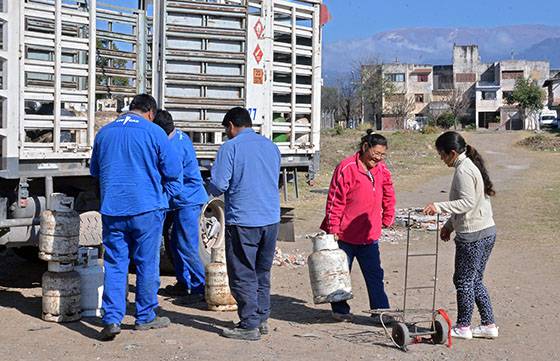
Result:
185,214
138,171
246,171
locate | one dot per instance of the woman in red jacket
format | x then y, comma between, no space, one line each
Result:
361,201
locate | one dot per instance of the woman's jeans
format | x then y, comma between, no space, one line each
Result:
370,264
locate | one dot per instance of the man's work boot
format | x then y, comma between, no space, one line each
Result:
239,333
263,328
176,290
110,331
158,322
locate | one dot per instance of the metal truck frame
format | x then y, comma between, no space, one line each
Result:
197,57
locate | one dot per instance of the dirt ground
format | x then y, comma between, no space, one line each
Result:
522,276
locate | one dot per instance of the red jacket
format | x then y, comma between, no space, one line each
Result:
357,207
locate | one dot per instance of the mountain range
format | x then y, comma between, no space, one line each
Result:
434,46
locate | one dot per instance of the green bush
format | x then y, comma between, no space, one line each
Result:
446,120
338,130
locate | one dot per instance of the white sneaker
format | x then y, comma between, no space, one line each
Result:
485,331
461,332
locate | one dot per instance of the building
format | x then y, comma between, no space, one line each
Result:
552,86
474,91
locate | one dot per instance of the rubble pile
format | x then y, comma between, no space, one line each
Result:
393,235
287,259
419,220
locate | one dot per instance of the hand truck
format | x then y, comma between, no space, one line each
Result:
435,324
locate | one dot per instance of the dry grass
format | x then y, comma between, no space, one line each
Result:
411,159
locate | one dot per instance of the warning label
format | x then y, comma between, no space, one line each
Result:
259,29
258,54
258,76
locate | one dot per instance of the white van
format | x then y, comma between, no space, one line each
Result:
548,118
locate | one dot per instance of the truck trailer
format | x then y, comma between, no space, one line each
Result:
63,62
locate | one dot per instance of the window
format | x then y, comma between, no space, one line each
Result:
465,77
395,77
419,98
512,74
488,95
507,95
422,78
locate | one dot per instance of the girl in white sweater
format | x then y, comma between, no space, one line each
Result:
475,232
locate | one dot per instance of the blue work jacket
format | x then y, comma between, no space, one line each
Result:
193,192
137,167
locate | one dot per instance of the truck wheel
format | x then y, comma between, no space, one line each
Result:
165,257
212,226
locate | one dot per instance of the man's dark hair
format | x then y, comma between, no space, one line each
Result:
164,119
239,117
143,103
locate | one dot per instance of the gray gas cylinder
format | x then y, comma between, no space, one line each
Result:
61,296
328,271
217,292
59,236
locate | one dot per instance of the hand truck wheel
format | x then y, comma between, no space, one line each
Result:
401,335
442,331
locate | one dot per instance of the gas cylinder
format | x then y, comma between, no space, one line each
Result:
59,236
90,270
61,296
328,271
217,293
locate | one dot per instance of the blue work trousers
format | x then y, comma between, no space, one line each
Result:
184,248
249,254
137,237
370,264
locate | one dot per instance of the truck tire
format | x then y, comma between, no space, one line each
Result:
211,234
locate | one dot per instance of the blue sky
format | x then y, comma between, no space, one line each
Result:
354,19
361,18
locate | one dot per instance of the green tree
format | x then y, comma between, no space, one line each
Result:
529,98
106,64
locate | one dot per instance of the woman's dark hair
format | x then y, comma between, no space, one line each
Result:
164,119
449,141
372,139
143,103
239,117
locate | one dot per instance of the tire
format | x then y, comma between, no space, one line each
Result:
166,265
401,335
442,331
211,234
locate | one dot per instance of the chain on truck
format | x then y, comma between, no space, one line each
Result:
68,66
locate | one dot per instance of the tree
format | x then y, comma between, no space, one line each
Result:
401,107
104,63
349,100
458,103
529,98
330,99
374,87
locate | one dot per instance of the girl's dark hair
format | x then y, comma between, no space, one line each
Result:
449,141
372,139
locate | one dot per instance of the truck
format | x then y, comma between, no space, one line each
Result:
63,63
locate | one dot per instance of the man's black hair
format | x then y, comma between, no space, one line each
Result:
143,103
239,117
164,119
